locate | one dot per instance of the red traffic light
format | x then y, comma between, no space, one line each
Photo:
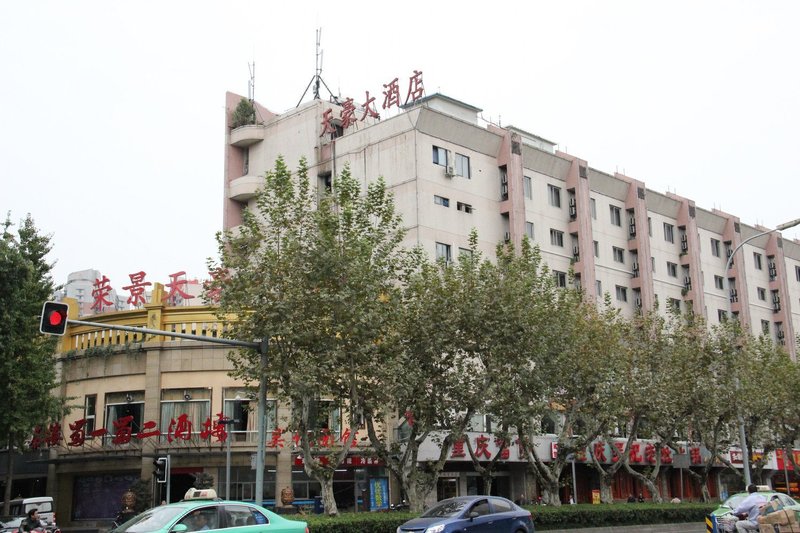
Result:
54,318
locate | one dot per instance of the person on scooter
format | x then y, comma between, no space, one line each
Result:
31,522
749,509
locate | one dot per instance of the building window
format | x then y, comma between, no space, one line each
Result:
650,226
593,206
653,264
561,278
719,282
669,232
674,304
616,215
439,156
722,315
529,230
599,287
89,413
527,184
557,237
596,248
765,327
466,252
443,252
619,254
762,293
462,166
757,260
441,200
554,195
672,270
124,404
797,272
239,407
715,247
461,206
195,403
622,293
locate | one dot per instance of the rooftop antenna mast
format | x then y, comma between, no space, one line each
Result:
316,80
251,84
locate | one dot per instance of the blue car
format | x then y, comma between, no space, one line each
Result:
472,514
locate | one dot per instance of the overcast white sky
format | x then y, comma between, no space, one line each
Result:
112,130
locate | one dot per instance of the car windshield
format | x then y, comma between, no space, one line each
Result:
445,509
151,520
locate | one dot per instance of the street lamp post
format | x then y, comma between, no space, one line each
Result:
227,422
742,435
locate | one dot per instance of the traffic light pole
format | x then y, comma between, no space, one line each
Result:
262,347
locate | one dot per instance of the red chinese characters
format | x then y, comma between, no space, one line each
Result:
482,447
391,94
415,88
137,288
458,449
99,292
175,286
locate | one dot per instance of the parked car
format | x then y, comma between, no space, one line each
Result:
19,507
472,514
201,509
722,519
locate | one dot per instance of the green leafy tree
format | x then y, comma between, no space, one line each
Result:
319,277
244,114
426,402
27,367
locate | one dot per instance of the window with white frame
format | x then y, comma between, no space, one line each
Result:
443,252
596,248
466,208
465,252
650,226
616,215
797,272
722,315
669,232
462,166
762,293
598,285
719,282
672,270
241,408
179,406
653,264
439,156
556,237
560,277
527,184
441,200
622,293
715,247
554,195
674,303
120,406
757,260
765,327
89,414
619,254
529,230
593,206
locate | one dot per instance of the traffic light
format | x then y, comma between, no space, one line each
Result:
54,318
162,469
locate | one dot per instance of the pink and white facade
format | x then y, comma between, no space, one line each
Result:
451,173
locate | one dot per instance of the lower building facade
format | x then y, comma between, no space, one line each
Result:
139,398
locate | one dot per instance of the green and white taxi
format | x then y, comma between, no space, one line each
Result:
201,510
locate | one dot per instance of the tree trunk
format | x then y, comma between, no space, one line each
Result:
9,480
328,499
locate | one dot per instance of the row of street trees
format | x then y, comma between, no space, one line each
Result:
414,349
26,364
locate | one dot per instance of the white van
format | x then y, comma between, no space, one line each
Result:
44,504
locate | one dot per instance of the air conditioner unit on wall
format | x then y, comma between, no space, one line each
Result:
450,171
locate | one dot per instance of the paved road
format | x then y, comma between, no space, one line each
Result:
656,528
